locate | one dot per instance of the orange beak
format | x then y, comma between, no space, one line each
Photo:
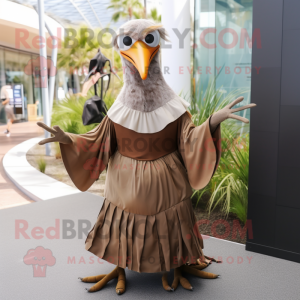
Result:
140,55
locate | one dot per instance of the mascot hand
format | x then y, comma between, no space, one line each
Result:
59,135
227,112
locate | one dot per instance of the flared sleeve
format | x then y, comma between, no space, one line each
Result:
200,150
88,154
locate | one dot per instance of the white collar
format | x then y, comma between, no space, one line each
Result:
147,122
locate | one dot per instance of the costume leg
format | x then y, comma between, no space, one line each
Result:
192,269
178,278
165,282
200,266
195,269
210,259
102,280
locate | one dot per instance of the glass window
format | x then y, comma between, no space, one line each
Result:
26,80
223,32
204,54
233,52
2,83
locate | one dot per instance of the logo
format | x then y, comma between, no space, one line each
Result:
39,258
39,67
95,166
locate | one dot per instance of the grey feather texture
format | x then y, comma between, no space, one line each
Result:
143,95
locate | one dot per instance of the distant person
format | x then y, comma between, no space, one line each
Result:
9,110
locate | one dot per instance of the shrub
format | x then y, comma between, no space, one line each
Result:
206,102
230,183
42,164
68,113
228,189
57,150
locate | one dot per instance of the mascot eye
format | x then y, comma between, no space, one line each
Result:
125,42
149,38
152,39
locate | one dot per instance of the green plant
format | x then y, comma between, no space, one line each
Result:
228,189
230,182
68,115
57,150
205,102
154,15
109,99
126,9
42,164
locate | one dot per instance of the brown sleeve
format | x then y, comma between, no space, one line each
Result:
200,150
89,153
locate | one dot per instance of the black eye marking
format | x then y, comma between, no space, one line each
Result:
127,40
149,38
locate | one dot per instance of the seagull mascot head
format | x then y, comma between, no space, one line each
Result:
145,89
138,42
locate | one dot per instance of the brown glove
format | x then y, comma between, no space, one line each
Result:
59,135
226,112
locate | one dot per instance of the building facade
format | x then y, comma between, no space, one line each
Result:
19,52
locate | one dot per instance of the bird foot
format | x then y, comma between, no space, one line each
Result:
178,278
195,269
102,280
210,259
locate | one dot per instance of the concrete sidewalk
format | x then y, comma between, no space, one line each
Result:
244,275
20,132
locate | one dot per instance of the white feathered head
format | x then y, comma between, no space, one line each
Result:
138,41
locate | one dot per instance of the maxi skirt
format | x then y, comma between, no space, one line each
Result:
147,221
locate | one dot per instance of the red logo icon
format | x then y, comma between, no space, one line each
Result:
39,258
39,67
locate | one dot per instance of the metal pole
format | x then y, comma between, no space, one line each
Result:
44,72
95,13
52,68
81,13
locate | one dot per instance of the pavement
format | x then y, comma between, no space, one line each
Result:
244,274
10,195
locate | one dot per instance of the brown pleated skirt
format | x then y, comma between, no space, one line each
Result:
146,243
146,227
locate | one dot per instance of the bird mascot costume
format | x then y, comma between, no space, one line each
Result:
154,156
